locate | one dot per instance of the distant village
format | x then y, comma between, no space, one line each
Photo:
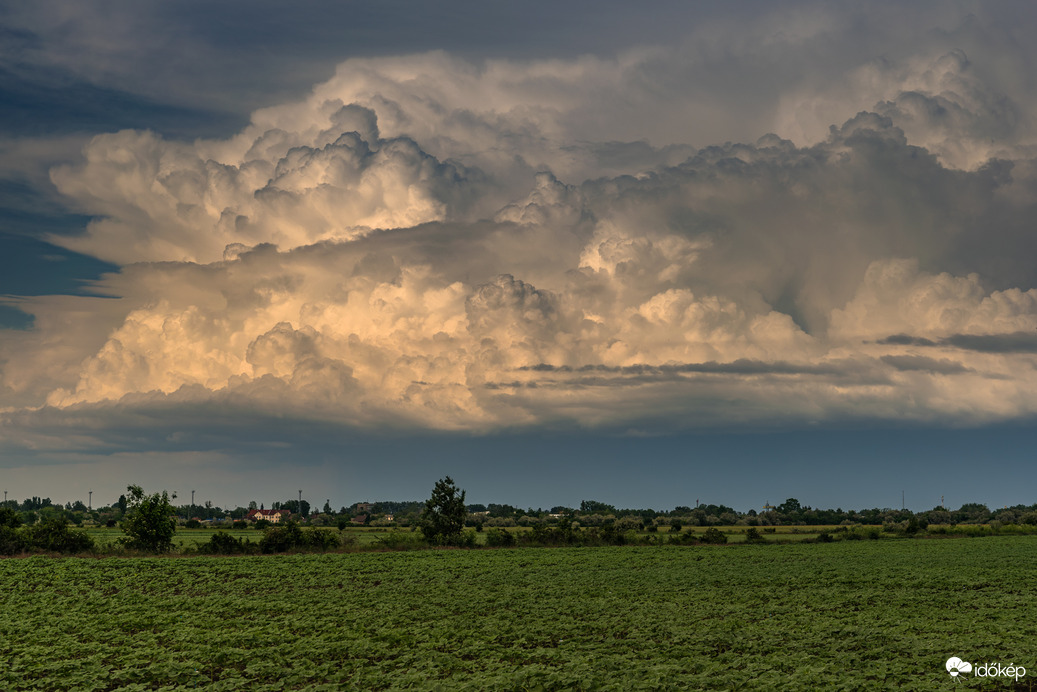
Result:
588,513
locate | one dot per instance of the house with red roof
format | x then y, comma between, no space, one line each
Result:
274,516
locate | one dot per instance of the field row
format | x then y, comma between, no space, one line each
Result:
861,615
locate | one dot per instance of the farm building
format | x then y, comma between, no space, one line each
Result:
274,516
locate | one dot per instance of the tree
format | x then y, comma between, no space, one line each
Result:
444,515
11,541
595,507
149,524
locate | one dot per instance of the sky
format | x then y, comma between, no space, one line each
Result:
728,252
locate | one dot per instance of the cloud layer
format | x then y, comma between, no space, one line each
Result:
434,243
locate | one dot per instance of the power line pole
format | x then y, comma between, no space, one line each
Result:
300,502
90,500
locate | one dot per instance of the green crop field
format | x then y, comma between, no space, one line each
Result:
854,615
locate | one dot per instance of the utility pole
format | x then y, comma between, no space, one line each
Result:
902,505
300,502
192,502
90,500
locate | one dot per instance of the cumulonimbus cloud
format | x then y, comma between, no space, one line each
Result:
415,245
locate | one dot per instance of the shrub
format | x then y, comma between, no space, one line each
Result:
610,535
713,535
753,536
682,538
281,539
397,540
675,527
824,537
11,541
223,543
629,523
192,524
499,538
322,539
53,534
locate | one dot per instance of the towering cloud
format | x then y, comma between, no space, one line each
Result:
434,243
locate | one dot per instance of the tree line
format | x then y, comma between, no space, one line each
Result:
149,523
589,513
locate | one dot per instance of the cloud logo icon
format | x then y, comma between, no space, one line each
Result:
955,666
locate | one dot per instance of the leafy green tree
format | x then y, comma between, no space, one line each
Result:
10,518
149,524
502,511
444,515
595,507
